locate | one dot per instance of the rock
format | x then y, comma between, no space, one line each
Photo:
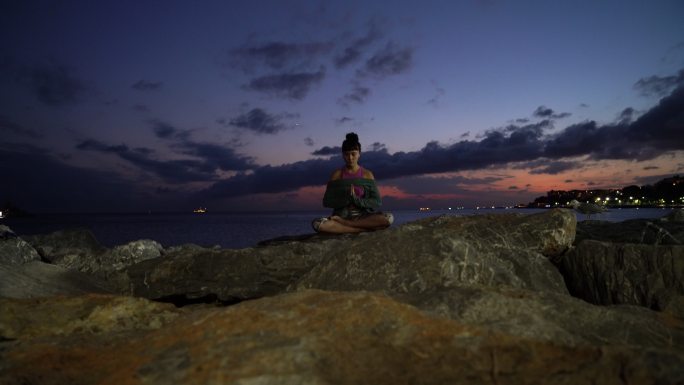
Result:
132,253
675,306
676,215
14,249
107,265
550,233
90,314
77,249
38,279
491,250
552,317
315,337
488,249
71,244
226,275
621,273
645,231
189,248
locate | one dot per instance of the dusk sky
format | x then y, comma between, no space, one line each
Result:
124,106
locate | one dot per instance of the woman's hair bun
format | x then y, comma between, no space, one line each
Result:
352,137
351,142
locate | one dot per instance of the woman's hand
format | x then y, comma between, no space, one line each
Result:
352,191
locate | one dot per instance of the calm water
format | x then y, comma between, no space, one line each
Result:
235,230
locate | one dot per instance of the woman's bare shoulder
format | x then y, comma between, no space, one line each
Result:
337,174
367,174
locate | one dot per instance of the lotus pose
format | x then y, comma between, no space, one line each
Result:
353,196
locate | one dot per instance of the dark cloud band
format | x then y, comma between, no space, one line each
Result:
654,133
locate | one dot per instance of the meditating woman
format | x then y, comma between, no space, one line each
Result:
353,196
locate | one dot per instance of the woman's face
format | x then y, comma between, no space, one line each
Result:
351,158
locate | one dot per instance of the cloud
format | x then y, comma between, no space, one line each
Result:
163,130
279,55
343,120
216,157
53,84
627,115
309,142
418,185
72,189
377,146
390,60
209,158
496,148
358,95
387,61
144,85
261,122
546,166
656,132
326,151
353,52
268,179
434,101
141,108
659,85
287,85
212,157
547,113
177,171
8,127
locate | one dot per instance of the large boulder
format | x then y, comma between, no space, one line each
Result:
624,273
15,250
506,249
550,233
79,250
646,231
676,215
131,253
316,337
223,275
38,279
70,244
90,314
552,317
493,250
106,263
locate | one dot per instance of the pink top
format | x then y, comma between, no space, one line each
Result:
358,190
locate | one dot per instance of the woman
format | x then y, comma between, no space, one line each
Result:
353,196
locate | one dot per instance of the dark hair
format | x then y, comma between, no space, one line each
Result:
351,142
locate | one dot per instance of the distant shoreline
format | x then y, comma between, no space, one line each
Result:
611,207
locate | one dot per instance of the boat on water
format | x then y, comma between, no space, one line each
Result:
200,210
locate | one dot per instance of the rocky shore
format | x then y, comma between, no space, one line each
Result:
486,299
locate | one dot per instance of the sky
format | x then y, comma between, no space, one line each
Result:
127,106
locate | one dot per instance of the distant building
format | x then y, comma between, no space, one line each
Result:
667,192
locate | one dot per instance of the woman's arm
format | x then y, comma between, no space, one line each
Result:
337,174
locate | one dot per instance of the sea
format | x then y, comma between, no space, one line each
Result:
240,229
